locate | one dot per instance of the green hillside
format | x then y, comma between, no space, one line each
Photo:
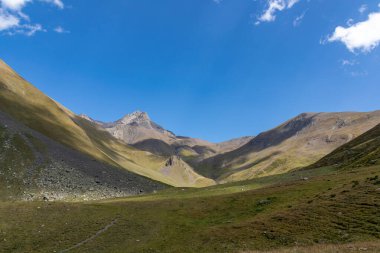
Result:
265,214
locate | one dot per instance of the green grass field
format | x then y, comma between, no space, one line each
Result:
314,207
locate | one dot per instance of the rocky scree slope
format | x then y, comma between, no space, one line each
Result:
35,167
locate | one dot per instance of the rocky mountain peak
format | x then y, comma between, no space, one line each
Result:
136,117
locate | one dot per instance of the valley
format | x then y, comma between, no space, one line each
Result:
69,183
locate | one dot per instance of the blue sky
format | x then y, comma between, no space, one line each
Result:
202,68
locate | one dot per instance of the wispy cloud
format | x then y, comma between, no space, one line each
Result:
60,29
217,1
274,6
352,67
57,3
27,29
346,62
14,21
363,8
362,36
298,20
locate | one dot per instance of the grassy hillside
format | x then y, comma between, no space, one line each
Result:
362,151
28,105
333,208
296,143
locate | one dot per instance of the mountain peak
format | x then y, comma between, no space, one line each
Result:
135,117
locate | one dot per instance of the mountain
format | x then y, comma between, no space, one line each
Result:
35,167
26,105
296,143
136,144
363,151
138,130
136,127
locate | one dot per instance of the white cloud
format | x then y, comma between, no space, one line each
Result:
15,5
292,2
297,21
274,6
60,29
349,62
363,36
14,21
363,8
350,22
217,1
7,21
57,3
27,29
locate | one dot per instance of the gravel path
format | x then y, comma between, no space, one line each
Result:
90,238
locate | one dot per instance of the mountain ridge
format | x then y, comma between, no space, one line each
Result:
138,130
297,142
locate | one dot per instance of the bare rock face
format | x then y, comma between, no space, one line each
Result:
136,127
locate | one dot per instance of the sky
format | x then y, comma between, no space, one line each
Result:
211,69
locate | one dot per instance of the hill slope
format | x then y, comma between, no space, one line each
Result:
29,106
361,152
298,142
35,167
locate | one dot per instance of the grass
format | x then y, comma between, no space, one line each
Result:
360,152
370,247
272,213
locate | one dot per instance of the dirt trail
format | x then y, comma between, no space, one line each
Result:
90,238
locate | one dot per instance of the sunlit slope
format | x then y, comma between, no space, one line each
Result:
360,152
27,104
296,143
